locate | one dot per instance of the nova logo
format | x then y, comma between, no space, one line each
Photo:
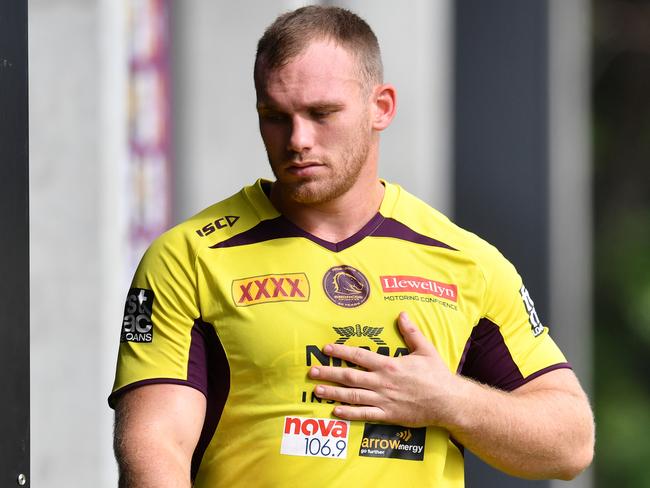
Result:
325,438
422,286
220,223
311,427
292,287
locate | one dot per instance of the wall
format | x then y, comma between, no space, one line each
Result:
67,399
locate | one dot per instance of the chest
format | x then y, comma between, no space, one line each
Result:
286,298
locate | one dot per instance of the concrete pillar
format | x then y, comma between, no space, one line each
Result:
70,419
522,158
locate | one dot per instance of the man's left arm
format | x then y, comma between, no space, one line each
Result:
543,429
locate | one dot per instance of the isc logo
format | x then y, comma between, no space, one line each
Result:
137,326
220,223
291,287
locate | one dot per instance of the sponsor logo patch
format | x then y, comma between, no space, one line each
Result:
290,287
371,340
315,355
137,325
416,284
346,286
393,441
357,330
327,438
535,324
220,223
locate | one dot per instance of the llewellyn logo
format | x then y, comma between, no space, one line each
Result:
422,286
346,286
290,287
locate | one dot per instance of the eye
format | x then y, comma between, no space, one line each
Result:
321,114
271,116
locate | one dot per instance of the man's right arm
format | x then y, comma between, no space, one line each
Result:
157,428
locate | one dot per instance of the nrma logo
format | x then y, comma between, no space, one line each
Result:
359,331
315,355
291,287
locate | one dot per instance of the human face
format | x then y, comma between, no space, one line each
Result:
314,117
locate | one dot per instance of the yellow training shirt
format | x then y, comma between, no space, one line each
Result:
237,302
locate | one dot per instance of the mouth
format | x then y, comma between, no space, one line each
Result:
304,168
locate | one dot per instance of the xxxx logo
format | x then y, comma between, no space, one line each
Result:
292,287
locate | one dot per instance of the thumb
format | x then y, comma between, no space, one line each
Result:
413,336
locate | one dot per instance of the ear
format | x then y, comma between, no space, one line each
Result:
384,106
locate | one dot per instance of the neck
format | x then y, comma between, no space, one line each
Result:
338,219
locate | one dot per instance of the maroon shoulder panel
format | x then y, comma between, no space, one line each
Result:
378,226
487,359
208,365
397,230
266,230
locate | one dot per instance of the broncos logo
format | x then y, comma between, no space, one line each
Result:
356,330
346,284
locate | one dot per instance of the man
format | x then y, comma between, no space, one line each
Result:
328,327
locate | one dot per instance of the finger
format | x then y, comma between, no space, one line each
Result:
352,412
353,396
361,357
413,336
342,376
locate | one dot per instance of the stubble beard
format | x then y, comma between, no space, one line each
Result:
341,176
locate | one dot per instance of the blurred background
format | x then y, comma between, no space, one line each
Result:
527,121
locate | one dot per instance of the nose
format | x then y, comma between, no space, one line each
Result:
302,135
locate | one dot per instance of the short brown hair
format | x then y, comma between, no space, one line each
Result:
292,32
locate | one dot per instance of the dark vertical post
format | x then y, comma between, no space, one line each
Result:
14,246
501,148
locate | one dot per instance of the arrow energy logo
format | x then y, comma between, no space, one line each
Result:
393,441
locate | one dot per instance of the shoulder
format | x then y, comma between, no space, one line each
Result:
493,277
423,219
223,220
